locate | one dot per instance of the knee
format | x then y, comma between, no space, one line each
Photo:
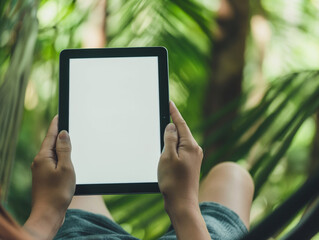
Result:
230,185
231,173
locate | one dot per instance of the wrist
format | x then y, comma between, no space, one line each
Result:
181,210
188,222
44,222
181,205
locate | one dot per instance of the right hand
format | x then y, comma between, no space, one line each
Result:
179,165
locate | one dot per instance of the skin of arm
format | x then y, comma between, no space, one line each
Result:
53,184
178,179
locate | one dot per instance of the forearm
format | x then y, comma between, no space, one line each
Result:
43,224
189,223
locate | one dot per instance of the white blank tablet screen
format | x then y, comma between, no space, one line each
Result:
114,121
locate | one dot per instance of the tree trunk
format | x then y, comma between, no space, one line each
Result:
12,90
227,64
94,35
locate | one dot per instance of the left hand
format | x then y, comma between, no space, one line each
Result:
53,182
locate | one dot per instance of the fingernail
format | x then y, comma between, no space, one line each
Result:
171,127
63,135
173,103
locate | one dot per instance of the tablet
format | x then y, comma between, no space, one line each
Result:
114,104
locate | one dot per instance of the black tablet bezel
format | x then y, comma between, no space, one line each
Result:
65,56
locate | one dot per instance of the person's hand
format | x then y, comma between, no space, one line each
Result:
53,177
53,183
178,179
179,165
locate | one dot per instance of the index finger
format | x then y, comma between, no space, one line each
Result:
50,139
178,120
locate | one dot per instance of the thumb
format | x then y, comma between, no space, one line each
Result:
170,139
63,148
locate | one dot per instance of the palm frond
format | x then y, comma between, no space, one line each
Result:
302,90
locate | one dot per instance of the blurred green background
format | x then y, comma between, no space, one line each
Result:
243,73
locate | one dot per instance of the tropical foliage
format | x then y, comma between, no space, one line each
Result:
267,123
